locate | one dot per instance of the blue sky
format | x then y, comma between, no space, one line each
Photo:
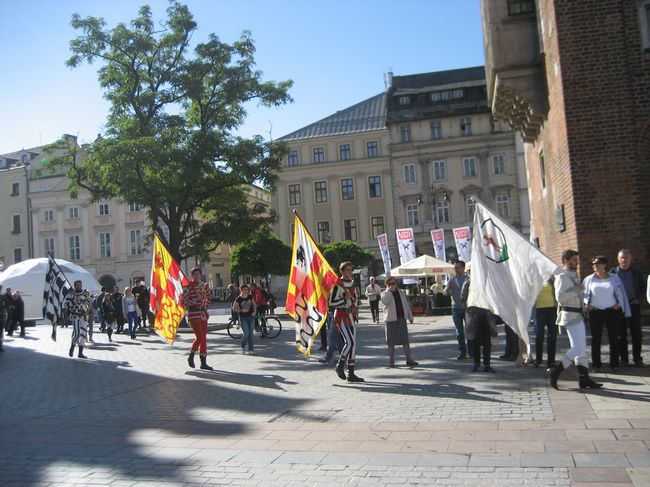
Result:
336,52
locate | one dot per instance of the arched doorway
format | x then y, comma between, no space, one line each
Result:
107,281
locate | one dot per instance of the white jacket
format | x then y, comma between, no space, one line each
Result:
390,312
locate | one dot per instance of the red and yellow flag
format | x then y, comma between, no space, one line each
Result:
167,282
310,283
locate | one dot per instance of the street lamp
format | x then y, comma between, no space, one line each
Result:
434,202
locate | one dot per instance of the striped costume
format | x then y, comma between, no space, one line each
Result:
77,305
345,314
196,298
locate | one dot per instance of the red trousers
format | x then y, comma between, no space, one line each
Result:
200,327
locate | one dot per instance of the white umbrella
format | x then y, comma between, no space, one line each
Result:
423,266
28,277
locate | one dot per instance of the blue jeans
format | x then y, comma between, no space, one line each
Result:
247,322
458,315
334,339
132,316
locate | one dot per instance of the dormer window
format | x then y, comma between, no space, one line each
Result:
23,158
404,100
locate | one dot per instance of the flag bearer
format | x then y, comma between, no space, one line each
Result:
196,298
78,304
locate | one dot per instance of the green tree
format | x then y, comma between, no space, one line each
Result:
170,142
260,255
337,252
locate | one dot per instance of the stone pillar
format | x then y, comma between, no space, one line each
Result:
336,229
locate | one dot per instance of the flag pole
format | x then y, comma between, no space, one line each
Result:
50,254
295,212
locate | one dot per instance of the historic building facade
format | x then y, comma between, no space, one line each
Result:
577,88
446,150
337,176
15,238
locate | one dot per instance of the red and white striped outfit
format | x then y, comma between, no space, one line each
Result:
196,298
344,316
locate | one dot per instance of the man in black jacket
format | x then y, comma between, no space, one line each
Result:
634,285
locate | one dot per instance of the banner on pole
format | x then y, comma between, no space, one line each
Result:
385,252
406,247
438,238
463,238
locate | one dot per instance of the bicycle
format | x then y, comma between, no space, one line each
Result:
269,326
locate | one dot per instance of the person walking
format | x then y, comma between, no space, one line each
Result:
344,301
454,289
79,306
480,327
196,298
396,311
110,315
117,297
634,285
568,294
232,295
606,302
129,309
18,314
545,327
141,294
373,293
9,303
247,309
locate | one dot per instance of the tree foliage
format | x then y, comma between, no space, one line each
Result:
260,255
170,142
337,252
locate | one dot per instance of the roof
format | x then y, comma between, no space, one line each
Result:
366,116
440,79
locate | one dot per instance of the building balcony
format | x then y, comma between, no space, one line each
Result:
72,223
48,226
514,69
135,216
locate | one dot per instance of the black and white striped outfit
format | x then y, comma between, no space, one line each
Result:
343,318
78,305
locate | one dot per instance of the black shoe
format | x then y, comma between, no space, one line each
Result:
190,360
555,374
340,369
71,352
639,364
351,375
487,368
475,369
81,353
412,363
204,363
584,381
461,356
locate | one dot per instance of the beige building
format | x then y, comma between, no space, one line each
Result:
15,238
337,176
445,148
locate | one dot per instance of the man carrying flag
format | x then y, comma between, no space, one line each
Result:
507,271
54,293
197,297
311,281
167,282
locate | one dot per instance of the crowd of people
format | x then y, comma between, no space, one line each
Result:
12,314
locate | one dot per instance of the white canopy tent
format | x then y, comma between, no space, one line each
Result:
28,277
423,266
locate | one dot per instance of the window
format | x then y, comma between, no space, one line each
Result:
48,215
345,154
456,94
134,207
104,245
436,129
293,158
347,189
23,158
409,173
405,133
372,148
412,214
374,186
323,230
442,211
542,169
18,255
104,209
73,213
350,230
294,194
319,155
498,164
447,95
470,204
439,170
465,126
503,205
75,247
377,225
15,189
16,227
435,96
469,167
644,19
48,245
404,100
320,189
136,242
519,7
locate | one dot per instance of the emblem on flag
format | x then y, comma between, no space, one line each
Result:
311,281
495,241
54,293
167,282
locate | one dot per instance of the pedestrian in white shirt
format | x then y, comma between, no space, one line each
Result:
373,293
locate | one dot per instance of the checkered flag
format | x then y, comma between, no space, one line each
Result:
56,289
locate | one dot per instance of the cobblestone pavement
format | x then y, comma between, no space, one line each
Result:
135,414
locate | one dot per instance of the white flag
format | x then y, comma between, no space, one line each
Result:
406,247
438,238
463,237
507,271
385,252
